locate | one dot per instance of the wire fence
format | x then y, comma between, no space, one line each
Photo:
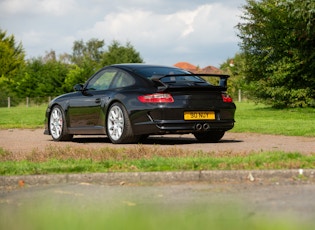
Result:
27,101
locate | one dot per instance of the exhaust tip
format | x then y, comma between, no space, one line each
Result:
206,126
198,126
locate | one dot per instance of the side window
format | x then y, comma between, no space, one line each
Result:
123,79
102,80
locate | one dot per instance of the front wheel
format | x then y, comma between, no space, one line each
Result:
118,126
57,124
210,136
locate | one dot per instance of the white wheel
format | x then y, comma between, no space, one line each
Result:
118,126
56,125
115,123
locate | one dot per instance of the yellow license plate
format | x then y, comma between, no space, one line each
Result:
199,115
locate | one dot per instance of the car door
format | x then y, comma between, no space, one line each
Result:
85,109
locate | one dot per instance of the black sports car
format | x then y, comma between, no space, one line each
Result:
129,102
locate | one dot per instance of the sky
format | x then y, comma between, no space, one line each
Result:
201,32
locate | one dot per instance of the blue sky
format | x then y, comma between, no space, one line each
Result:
201,32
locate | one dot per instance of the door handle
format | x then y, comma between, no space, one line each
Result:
98,100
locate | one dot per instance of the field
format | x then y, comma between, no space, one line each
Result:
263,119
249,118
22,117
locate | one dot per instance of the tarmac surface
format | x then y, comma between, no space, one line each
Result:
271,195
8,183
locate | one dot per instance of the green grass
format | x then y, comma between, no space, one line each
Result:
22,117
264,119
46,215
249,118
144,159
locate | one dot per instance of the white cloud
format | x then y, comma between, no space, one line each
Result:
179,32
210,22
40,7
163,31
185,19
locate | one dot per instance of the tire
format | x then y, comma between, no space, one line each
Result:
210,136
118,126
57,122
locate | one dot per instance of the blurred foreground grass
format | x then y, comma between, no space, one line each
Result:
137,217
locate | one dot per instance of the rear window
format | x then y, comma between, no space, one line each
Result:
155,72
150,72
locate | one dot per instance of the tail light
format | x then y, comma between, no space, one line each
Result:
156,98
226,98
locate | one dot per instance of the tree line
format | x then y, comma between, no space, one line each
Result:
53,75
275,65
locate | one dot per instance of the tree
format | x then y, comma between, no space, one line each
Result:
50,75
277,39
11,60
90,52
234,67
86,59
11,55
74,76
118,53
42,77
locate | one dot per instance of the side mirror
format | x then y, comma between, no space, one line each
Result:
78,87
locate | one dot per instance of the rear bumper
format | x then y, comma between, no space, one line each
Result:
164,127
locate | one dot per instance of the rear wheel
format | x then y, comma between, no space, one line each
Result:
210,136
57,124
118,125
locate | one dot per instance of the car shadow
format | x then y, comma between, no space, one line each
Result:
152,140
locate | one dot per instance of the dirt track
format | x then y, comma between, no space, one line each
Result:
26,140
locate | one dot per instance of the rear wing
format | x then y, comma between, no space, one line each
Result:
216,81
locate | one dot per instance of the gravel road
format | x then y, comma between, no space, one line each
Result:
26,140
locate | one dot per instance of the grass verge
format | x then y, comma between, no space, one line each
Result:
144,159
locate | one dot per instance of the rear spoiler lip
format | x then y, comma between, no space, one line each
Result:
222,85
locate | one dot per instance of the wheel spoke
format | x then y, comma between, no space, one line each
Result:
115,123
56,123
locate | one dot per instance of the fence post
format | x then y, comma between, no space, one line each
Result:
27,101
9,102
239,95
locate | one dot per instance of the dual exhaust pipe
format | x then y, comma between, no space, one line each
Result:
200,126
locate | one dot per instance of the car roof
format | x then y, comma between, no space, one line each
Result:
135,66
